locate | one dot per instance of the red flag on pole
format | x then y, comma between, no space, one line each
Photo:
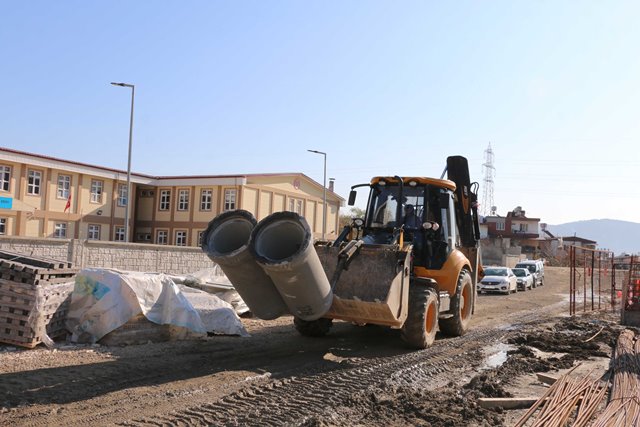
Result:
68,205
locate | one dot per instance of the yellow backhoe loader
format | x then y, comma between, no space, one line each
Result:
411,263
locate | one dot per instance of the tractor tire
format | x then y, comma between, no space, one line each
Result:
461,307
313,328
420,328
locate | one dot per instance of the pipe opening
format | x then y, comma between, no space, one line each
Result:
280,240
229,236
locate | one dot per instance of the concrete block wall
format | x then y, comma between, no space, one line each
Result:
39,247
122,256
142,257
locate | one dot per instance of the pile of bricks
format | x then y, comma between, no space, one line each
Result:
35,294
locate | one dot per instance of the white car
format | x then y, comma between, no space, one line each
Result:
498,279
524,278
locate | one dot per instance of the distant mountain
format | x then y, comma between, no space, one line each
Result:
612,234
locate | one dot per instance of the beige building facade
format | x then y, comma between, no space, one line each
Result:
42,196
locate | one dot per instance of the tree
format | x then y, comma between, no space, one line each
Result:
354,212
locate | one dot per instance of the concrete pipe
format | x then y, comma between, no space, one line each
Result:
226,242
282,244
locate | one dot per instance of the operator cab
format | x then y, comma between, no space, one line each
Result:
420,208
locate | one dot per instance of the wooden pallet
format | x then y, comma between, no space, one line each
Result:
138,330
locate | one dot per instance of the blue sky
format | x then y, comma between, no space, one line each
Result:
385,88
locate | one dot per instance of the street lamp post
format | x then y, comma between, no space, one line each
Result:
324,192
128,207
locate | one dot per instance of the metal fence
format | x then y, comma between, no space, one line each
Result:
631,292
600,281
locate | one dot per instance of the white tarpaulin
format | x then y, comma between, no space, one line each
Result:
105,299
214,281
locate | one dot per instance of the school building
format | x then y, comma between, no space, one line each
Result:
42,196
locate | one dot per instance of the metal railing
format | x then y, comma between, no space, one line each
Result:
593,276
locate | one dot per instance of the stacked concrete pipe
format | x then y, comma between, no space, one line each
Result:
283,245
226,243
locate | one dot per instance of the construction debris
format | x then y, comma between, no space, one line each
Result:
506,402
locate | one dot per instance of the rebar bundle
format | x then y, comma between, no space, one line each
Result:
566,398
623,408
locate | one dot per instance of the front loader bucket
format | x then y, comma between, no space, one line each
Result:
374,288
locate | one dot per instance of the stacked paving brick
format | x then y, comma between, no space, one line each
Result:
35,294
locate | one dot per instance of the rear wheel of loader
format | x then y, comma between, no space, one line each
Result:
313,328
419,330
461,307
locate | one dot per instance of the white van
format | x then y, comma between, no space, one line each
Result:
536,267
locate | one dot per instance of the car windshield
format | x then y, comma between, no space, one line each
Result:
495,272
530,267
520,272
385,204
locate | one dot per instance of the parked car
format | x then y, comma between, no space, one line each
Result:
498,279
536,267
524,278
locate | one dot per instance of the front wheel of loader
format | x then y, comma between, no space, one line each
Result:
419,330
313,328
461,307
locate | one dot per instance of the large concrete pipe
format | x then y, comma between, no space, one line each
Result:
282,244
226,242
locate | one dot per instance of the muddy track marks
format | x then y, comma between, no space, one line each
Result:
292,401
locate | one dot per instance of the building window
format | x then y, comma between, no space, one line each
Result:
60,230
200,235
64,185
183,200
119,236
165,200
181,238
94,232
5,177
229,199
123,194
524,227
295,205
205,199
162,237
96,191
500,226
3,225
34,180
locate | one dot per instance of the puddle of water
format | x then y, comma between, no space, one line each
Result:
496,355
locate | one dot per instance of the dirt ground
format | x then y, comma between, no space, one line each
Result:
354,376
